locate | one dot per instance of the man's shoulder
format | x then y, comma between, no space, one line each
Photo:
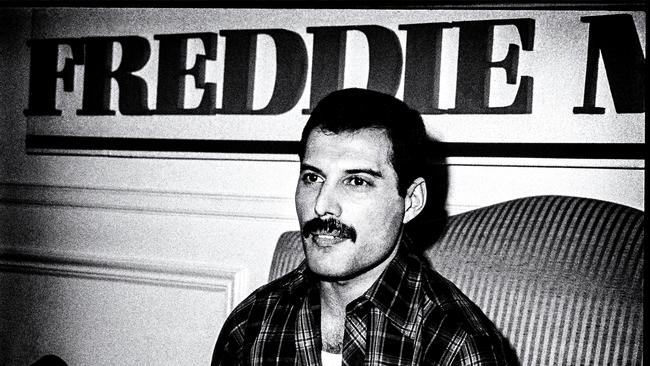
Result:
267,303
447,304
269,294
452,321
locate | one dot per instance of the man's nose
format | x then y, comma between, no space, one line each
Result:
327,202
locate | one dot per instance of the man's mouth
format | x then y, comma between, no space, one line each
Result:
327,240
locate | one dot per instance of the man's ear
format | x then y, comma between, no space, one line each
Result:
416,197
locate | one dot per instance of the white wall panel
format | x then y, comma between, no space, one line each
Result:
98,222
102,311
473,186
112,277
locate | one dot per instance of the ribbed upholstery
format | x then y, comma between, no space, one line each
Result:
562,277
288,254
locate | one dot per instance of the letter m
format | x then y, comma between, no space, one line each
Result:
614,37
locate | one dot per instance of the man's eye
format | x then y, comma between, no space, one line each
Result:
310,178
357,181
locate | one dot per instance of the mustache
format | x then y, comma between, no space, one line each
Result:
329,226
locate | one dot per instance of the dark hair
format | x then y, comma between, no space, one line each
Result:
414,154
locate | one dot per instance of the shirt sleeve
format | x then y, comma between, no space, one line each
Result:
228,350
485,350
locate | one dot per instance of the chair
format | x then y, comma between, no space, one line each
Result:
561,277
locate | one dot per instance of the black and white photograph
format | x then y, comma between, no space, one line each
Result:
272,182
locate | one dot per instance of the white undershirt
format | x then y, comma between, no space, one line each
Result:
331,359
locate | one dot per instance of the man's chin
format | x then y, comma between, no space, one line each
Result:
327,262
335,273
333,276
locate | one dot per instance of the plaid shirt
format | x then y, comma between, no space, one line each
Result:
410,316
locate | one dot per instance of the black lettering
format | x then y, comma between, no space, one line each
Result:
98,75
616,39
170,97
44,75
384,63
239,71
474,64
422,66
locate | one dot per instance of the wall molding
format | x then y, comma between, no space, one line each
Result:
184,203
149,201
191,276
547,163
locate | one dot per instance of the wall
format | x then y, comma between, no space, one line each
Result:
113,256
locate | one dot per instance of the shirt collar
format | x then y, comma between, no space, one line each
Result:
396,292
300,282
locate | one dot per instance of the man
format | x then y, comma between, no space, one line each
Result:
363,294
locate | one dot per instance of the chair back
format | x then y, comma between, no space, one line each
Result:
561,277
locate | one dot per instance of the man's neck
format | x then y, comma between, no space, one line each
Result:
336,295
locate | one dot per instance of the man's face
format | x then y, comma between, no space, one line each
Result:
347,201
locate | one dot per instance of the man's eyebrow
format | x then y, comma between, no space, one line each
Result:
371,172
305,166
